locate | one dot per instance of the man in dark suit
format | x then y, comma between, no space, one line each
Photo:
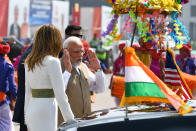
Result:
19,107
15,50
15,28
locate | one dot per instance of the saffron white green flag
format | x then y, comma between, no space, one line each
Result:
142,85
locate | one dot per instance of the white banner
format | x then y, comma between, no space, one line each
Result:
86,22
60,15
18,20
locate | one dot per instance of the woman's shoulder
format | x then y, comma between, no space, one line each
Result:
51,60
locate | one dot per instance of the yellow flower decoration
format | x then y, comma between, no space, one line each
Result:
122,6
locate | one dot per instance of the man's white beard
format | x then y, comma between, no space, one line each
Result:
75,63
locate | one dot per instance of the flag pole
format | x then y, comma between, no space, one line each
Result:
135,25
134,31
126,112
161,63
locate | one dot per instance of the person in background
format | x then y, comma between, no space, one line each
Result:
119,70
86,48
15,74
85,57
7,89
72,30
186,63
44,85
86,60
15,50
101,52
15,28
19,107
119,63
157,62
27,44
17,59
143,52
81,79
94,42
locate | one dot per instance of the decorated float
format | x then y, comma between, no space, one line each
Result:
148,103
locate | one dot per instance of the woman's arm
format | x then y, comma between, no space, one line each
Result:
56,79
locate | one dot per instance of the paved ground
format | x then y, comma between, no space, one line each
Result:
103,100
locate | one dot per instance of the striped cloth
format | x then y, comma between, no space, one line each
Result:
142,85
174,79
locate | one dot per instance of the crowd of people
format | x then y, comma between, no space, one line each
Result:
56,80
49,73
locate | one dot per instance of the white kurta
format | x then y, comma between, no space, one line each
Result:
41,113
96,80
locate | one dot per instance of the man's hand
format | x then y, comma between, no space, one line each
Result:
93,60
67,62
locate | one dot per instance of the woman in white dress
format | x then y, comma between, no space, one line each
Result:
44,83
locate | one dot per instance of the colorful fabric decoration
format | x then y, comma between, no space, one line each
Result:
111,25
108,41
112,31
178,30
148,88
150,18
182,1
128,25
121,6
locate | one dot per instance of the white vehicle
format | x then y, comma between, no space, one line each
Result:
134,118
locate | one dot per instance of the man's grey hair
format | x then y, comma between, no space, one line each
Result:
72,40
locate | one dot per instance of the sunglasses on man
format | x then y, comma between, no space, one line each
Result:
76,35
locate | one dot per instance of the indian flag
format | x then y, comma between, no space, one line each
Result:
142,85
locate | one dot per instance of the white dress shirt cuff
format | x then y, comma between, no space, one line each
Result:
100,82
